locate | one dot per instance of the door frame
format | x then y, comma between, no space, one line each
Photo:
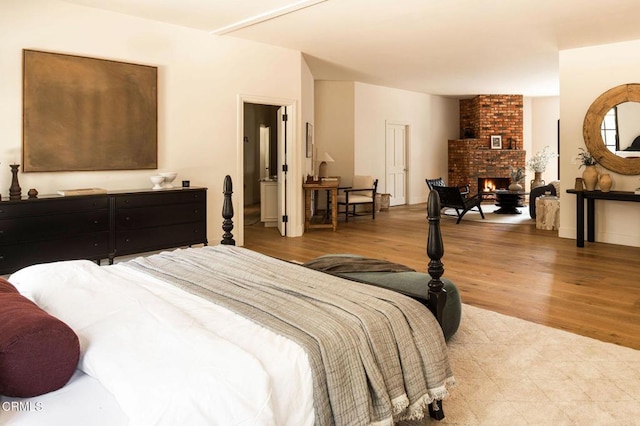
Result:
292,152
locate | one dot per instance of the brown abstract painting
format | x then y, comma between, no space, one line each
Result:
88,114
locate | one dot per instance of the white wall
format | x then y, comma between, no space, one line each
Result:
585,74
544,113
335,126
351,121
200,78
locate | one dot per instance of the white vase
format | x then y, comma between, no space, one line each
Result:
590,177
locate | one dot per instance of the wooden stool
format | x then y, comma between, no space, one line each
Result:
548,212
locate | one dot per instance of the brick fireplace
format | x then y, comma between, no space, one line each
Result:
472,158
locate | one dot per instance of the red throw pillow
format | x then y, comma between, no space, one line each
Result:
7,287
38,352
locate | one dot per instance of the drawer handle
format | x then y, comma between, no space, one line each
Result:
196,211
127,218
96,244
96,222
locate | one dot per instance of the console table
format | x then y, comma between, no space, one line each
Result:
590,197
54,227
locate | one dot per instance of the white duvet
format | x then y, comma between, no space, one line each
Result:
169,357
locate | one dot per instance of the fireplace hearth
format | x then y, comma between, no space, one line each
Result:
491,184
488,185
472,159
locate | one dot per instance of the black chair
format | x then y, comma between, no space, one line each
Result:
450,196
464,189
362,192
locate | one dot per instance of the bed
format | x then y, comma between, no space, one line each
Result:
214,335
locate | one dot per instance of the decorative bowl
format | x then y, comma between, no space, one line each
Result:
157,181
168,178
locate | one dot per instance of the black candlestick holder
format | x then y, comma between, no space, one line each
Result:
15,192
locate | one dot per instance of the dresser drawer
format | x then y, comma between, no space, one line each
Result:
47,206
148,239
89,246
35,228
164,215
123,201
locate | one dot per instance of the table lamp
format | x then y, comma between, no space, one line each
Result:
322,168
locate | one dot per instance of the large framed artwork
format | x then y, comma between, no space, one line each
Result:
84,113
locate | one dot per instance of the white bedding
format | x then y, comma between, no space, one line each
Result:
219,371
83,401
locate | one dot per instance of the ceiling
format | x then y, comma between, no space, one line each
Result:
443,47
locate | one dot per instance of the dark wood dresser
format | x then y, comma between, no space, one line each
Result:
96,227
154,220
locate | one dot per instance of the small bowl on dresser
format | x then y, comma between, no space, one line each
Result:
157,181
169,177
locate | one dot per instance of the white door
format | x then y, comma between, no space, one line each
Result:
283,132
396,163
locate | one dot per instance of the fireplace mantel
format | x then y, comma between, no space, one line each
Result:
470,159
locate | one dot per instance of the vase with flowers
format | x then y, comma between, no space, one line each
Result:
517,175
589,174
538,164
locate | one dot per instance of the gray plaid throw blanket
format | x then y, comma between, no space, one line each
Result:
376,357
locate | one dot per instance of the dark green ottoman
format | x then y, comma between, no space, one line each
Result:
413,284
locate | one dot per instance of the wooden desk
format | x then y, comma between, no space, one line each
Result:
591,196
331,187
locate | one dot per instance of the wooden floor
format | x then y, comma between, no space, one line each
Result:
516,270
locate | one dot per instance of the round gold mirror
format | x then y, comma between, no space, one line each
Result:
592,129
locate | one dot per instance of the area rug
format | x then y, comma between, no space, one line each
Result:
490,216
513,372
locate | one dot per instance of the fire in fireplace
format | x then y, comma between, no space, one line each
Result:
489,185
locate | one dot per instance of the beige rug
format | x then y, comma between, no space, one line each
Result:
514,372
490,216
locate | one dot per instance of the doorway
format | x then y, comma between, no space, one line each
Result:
255,116
260,156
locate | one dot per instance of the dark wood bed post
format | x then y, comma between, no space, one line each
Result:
435,250
227,213
437,295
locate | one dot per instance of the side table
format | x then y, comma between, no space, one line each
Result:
548,212
310,187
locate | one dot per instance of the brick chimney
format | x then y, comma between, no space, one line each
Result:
481,117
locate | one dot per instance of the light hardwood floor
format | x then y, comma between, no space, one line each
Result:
516,270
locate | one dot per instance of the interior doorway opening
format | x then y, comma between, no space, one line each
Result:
260,157
255,116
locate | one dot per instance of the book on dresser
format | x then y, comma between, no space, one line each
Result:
82,191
